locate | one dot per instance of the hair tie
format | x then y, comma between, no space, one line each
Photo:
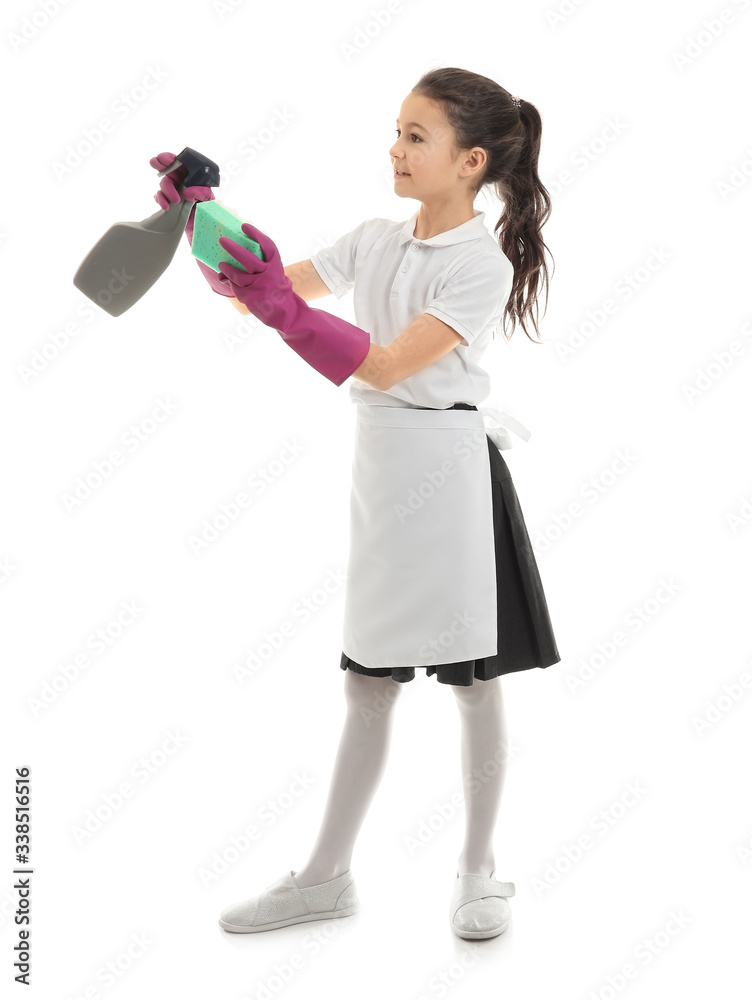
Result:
516,101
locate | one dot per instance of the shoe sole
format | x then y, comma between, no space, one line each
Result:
480,934
248,929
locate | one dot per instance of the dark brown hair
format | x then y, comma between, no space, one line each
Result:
482,113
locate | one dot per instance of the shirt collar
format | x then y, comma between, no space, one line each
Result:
473,229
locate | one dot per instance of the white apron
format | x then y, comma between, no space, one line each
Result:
421,575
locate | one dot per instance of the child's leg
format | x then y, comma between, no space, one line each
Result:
484,758
358,768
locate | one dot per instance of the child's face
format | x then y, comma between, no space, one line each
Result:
424,151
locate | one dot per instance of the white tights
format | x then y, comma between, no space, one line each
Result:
361,760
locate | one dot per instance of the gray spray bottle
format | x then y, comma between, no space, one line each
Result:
124,264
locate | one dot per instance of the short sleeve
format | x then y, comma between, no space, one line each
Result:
336,264
474,296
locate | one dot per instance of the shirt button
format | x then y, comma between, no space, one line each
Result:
414,246
405,268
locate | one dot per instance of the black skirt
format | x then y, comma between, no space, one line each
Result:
525,635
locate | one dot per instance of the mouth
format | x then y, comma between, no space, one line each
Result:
400,173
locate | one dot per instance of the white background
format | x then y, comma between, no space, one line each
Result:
673,176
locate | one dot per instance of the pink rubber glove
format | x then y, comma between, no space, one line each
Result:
168,194
329,344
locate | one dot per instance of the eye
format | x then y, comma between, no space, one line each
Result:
413,135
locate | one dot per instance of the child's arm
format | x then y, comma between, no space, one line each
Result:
424,341
306,282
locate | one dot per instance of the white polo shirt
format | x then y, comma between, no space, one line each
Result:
461,276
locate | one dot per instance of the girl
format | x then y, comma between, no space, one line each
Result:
441,572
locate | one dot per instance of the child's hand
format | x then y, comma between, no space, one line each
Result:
263,287
168,193
253,265
327,343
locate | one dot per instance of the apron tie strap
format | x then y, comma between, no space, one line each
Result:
502,423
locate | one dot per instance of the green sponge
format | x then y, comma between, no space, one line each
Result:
212,220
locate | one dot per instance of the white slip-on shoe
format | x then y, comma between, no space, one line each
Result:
479,907
283,903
